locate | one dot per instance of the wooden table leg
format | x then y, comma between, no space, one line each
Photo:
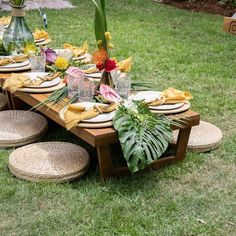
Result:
182,143
10,100
105,161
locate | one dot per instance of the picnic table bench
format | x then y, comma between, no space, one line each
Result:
103,138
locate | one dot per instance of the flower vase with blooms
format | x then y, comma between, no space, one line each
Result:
18,35
102,57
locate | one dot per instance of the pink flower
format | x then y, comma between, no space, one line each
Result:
109,94
75,71
50,55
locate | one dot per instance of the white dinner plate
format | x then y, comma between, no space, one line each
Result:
94,75
46,84
167,106
185,107
16,65
43,90
79,58
23,68
44,42
39,40
146,96
104,117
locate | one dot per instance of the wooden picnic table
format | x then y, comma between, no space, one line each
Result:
103,138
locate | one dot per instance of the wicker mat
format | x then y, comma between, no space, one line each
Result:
203,138
18,127
49,161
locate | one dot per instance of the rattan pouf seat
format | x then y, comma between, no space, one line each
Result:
3,101
203,138
19,127
49,161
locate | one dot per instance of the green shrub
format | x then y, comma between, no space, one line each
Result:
231,2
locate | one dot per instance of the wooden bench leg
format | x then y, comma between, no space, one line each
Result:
105,161
182,143
10,100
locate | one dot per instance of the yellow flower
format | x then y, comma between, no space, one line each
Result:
61,63
30,49
108,36
125,65
99,42
110,45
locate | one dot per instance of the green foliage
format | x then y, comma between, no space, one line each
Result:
3,52
100,23
17,3
195,197
144,137
231,2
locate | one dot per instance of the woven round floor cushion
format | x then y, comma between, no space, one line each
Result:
203,138
49,161
18,127
3,101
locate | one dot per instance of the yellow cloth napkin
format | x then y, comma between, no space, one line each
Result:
91,70
11,60
5,20
16,81
172,96
125,65
77,51
74,114
40,34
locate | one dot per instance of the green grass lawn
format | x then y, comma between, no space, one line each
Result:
170,47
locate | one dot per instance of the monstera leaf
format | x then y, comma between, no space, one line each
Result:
144,137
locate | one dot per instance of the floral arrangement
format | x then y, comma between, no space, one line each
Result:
102,57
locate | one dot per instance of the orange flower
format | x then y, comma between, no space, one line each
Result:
100,56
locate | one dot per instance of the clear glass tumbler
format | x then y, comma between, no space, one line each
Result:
73,83
123,85
86,91
38,63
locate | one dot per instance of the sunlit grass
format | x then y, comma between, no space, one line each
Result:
196,197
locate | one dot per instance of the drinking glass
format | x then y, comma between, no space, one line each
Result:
115,74
38,63
2,29
86,91
73,82
123,85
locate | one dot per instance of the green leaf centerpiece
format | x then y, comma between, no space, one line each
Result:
144,137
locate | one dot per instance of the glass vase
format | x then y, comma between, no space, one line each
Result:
18,35
106,78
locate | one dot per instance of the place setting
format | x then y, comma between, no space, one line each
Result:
170,101
88,115
41,37
34,82
14,63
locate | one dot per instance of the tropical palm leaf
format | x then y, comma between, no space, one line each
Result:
100,22
144,137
